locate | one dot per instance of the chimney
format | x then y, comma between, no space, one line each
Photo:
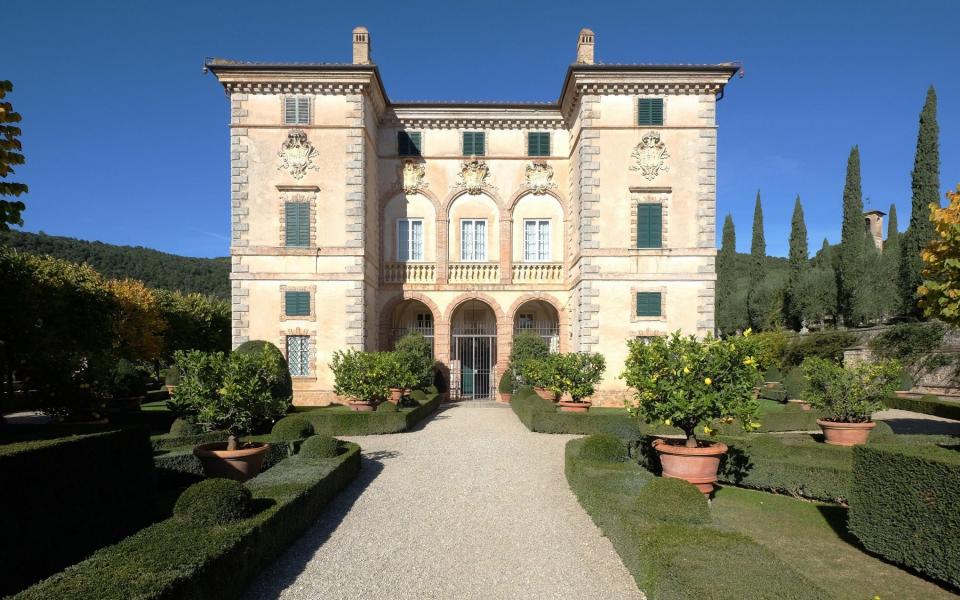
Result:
361,46
585,47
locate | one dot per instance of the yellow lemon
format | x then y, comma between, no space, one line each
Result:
686,370
707,381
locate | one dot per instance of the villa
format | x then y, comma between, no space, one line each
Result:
356,218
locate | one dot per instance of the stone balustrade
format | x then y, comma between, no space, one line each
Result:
474,273
409,272
538,273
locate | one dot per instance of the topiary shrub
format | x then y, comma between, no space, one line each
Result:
604,447
386,407
794,383
214,502
183,428
292,428
673,501
283,384
127,381
171,375
320,446
507,382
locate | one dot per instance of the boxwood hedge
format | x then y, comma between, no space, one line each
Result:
674,561
65,497
928,405
177,559
903,506
333,421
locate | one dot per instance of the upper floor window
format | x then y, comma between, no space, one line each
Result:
474,143
296,110
408,143
473,240
409,240
649,225
298,355
297,225
538,143
297,304
650,111
536,240
649,304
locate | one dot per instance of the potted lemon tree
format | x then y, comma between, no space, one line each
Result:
363,378
848,396
687,383
577,375
238,393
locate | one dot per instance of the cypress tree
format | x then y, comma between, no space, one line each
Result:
726,275
798,261
890,265
925,184
758,246
852,245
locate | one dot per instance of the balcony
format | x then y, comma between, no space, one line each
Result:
538,273
409,272
474,273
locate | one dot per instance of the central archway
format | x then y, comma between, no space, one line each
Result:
473,351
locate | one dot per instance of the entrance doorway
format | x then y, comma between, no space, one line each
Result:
473,351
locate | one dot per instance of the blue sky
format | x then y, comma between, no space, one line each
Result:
126,139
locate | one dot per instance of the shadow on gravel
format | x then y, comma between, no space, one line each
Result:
924,426
284,571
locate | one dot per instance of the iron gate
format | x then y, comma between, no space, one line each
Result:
473,353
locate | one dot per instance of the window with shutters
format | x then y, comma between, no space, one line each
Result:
296,110
650,111
297,225
538,143
297,304
649,304
536,240
649,225
474,143
409,240
298,355
408,143
473,240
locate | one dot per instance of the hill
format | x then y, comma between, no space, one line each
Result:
156,269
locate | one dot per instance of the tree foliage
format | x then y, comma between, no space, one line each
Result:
940,292
799,263
10,155
140,323
851,263
816,297
726,280
925,184
758,246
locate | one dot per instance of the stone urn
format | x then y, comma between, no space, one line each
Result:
240,464
845,434
698,465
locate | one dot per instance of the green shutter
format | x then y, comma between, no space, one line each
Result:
648,304
408,143
297,304
649,226
650,111
297,223
538,144
473,143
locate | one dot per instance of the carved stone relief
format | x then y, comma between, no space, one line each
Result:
297,154
538,178
473,176
651,156
411,175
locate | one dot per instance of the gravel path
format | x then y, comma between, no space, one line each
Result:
470,505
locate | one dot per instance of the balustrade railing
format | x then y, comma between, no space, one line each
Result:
538,272
410,272
473,273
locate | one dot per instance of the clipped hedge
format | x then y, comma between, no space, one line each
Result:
903,506
928,405
332,421
64,498
673,561
178,467
177,559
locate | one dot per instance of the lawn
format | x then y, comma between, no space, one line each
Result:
812,537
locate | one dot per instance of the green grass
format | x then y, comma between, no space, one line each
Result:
812,538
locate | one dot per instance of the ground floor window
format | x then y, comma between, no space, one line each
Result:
298,355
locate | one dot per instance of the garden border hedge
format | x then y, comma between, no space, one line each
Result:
928,405
65,497
903,506
176,559
672,561
333,422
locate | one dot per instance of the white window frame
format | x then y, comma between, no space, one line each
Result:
541,245
412,252
477,249
299,118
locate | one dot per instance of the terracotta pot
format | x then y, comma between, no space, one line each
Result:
545,394
396,394
696,465
803,404
574,407
170,388
362,406
845,434
505,397
240,464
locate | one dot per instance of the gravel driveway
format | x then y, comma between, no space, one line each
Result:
469,505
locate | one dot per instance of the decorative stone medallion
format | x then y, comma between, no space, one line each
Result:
297,154
651,156
412,174
538,178
473,176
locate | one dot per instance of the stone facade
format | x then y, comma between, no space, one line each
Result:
397,242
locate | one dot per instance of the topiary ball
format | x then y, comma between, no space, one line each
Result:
320,446
291,428
183,428
386,407
673,501
604,447
214,502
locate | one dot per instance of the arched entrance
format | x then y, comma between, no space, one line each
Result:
473,351
411,315
541,318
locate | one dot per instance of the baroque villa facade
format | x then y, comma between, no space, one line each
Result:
355,218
